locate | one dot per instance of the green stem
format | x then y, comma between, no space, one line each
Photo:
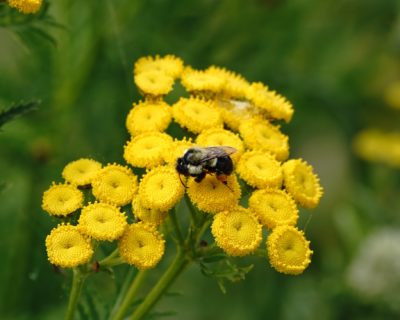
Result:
131,273
175,223
77,284
130,295
112,260
174,270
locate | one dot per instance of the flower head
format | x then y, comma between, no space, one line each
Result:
169,65
152,216
102,221
260,169
147,149
301,183
212,196
115,184
199,81
276,105
288,251
141,245
234,85
274,207
81,172
261,135
176,150
148,116
237,231
67,247
221,137
62,199
26,6
196,114
160,188
154,83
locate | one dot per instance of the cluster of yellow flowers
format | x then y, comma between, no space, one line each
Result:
221,109
378,146
26,6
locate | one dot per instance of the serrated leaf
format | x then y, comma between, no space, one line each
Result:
17,111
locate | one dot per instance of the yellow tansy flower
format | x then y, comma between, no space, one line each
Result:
260,134
160,188
234,86
376,146
276,105
152,216
169,64
392,95
196,114
301,183
141,245
274,207
154,83
115,184
81,172
148,116
67,247
221,137
26,6
147,149
237,231
62,199
288,251
260,169
212,196
176,150
200,81
102,221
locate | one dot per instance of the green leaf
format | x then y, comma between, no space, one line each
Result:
17,111
156,315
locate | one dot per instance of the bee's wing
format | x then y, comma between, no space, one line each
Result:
216,152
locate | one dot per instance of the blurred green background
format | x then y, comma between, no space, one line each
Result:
333,59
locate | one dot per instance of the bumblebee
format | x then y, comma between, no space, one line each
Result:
197,162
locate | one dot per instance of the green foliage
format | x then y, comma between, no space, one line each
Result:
17,110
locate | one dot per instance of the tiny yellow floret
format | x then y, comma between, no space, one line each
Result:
26,6
152,216
288,250
81,172
212,196
302,183
102,221
148,116
147,149
196,114
115,184
274,207
154,83
62,199
160,188
260,169
142,245
67,247
259,134
237,231
169,64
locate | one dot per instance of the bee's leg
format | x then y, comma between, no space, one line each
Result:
200,177
224,179
182,181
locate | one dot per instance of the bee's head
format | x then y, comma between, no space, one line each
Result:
181,166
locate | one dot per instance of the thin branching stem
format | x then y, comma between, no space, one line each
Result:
77,283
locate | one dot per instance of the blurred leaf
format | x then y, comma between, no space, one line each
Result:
16,111
157,315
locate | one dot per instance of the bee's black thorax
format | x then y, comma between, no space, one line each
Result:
193,163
